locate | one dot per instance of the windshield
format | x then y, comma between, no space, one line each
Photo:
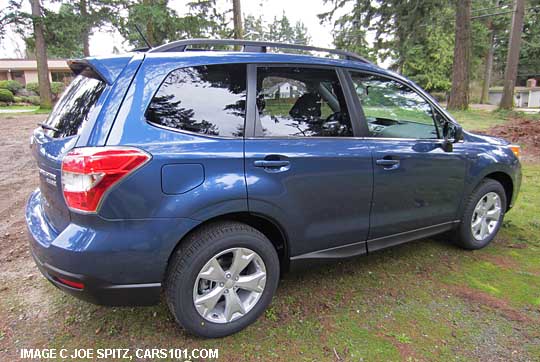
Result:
75,106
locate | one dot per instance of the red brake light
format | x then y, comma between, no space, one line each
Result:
88,172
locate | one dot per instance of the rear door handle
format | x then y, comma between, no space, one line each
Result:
271,164
388,164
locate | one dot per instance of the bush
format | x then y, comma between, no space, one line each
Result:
33,87
57,88
18,99
6,95
33,100
12,85
439,96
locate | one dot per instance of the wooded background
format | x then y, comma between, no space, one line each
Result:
447,47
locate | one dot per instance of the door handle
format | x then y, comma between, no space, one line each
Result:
271,164
388,164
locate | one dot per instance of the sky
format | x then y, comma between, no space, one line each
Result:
103,40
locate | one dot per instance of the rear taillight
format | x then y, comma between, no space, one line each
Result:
89,172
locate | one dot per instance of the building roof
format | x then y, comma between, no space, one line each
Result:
25,64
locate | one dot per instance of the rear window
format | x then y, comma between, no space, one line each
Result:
75,107
209,100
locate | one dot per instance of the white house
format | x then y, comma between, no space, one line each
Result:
282,90
524,97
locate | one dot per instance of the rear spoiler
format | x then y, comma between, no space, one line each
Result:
84,67
104,69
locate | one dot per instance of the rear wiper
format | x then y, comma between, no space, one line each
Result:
46,126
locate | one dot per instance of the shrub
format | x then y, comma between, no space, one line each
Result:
33,87
33,100
6,95
12,85
439,96
57,88
17,99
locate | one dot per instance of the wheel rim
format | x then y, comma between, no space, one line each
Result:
486,216
229,285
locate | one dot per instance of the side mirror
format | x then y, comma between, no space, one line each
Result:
447,144
458,133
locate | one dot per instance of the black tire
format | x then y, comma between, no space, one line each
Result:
464,235
188,260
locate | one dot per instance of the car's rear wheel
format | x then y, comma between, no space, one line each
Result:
221,279
483,215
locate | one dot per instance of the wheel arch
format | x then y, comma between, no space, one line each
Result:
507,183
269,227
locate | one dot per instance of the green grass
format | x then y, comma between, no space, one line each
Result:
519,286
475,120
27,109
479,120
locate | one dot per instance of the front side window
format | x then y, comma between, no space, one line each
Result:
392,109
209,100
301,102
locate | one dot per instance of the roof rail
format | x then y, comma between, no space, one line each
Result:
252,46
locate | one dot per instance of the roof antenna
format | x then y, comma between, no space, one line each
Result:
143,37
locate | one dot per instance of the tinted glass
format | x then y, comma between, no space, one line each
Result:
207,99
392,109
75,106
301,102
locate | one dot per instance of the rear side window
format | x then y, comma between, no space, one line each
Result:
301,102
75,106
209,100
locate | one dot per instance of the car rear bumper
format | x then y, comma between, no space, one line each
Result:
118,262
99,292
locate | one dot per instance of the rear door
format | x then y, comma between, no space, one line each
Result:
304,166
58,134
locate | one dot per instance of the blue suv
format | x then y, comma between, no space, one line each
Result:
205,173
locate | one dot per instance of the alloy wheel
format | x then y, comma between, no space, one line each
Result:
229,285
486,216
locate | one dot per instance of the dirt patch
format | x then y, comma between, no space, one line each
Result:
522,131
480,298
501,261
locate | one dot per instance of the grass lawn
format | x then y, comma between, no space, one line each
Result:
26,109
476,120
479,120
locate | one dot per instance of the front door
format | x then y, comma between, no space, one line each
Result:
417,185
304,167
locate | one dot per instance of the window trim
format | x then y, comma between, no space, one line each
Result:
152,124
415,88
256,127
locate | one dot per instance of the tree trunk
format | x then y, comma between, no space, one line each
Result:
488,66
459,94
149,26
237,18
41,56
86,31
512,60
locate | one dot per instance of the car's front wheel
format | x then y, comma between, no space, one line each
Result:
221,279
483,215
